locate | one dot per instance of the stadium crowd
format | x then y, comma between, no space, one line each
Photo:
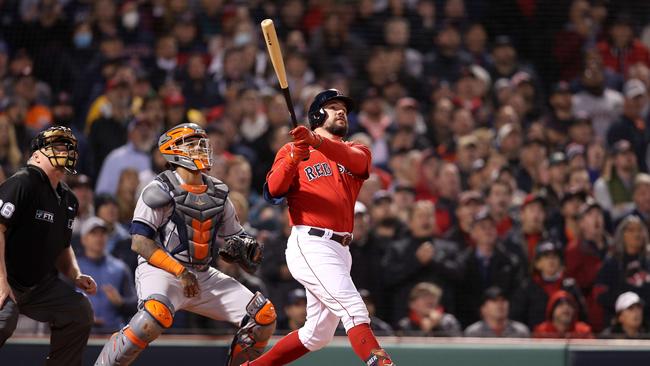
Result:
509,193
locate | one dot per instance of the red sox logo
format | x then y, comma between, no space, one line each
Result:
317,171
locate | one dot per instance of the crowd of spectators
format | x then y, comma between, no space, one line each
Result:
509,193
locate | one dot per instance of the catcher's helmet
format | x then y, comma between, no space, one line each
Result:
59,145
186,145
317,114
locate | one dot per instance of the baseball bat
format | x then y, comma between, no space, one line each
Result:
273,46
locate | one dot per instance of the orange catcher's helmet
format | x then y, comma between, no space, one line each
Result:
186,145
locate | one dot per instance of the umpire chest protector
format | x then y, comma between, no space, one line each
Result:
197,214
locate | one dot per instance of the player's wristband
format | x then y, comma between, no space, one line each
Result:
164,261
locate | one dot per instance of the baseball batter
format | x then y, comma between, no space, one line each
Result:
175,224
320,176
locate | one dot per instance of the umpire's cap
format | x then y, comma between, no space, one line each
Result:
317,115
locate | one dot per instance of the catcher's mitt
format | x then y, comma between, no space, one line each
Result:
243,250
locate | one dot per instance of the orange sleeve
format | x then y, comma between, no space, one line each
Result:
355,157
281,175
162,260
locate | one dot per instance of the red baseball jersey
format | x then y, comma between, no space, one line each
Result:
322,192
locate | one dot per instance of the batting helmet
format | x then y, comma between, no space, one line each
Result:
59,145
186,145
317,114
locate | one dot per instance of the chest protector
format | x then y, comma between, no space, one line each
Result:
198,212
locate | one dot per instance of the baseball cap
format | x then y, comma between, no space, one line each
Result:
403,187
531,198
467,141
360,208
547,247
557,158
296,295
571,194
504,131
174,99
589,204
634,88
467,197
482,215
115,83
502,41
382,195
91,224
621,146
520,77
407,102
480,74
63,98
561,87
492,293
104,198
501,83
626,300
573,150
79,180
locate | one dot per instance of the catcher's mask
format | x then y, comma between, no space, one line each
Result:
187,145
59,145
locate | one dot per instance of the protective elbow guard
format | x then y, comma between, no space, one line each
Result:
254,331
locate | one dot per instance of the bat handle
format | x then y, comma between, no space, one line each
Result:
287,98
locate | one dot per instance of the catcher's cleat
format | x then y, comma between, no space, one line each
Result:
379,357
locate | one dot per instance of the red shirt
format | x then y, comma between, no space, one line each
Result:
322,190
582,263
621,60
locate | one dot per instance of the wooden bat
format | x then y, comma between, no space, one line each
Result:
272,44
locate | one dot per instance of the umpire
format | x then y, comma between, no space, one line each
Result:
36,215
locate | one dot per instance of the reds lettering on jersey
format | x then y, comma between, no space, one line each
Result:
323,192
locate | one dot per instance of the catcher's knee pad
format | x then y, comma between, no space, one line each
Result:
254,332
155,315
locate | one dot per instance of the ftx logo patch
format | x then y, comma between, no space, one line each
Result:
44,216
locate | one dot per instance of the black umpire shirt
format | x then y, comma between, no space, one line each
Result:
39,224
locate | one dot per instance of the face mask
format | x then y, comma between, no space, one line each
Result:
83,40
130,20
241,39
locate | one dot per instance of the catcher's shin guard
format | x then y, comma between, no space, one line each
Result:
379,357
254,332
155,315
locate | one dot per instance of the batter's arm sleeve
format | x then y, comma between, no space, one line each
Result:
355,157
230,223
280,177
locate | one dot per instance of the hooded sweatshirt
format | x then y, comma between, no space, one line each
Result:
577,329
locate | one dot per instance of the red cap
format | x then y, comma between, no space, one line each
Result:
174,99
530,198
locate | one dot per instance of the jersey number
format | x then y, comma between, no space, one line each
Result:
7,209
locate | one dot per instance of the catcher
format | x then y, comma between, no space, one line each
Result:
175,226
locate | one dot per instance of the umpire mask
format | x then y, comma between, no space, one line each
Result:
59,145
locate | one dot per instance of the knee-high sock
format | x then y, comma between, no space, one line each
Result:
363,341
288,349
